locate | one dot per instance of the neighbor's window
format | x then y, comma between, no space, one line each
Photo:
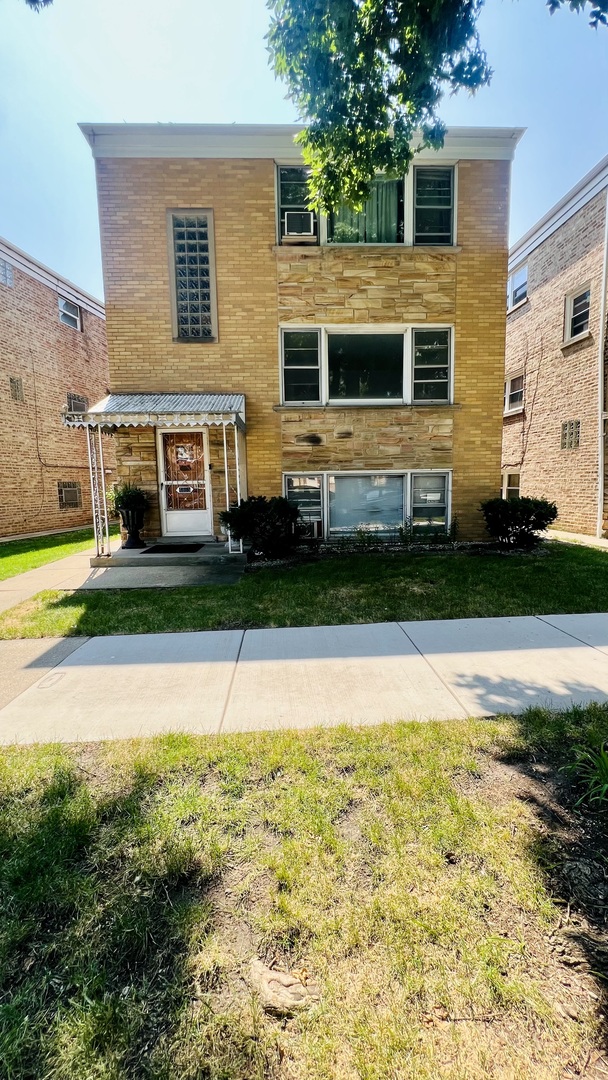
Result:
69,494
69,314
431,365
6,274
76,403
301,365
379,222
16,385
510,486
514,394
571,435
365,366
306,492
433,205
577,313
297,223
370,502
429,501
194,272
517,287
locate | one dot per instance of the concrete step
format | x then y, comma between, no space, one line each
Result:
197,558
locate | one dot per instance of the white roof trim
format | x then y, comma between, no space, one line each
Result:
268,141
48,277
582,193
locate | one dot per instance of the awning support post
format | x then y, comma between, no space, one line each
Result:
227,483
98,499
238,474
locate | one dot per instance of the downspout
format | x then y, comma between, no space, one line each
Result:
601,382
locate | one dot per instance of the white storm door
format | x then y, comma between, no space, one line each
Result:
185,488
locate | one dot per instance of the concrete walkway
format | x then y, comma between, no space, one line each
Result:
68,573
226,681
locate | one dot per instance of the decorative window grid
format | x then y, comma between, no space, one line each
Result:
571,435
69,494
16,385
77,403
194,272
6,274
69,314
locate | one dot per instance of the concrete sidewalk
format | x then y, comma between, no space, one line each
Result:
222,681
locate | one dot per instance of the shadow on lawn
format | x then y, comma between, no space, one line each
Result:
99,921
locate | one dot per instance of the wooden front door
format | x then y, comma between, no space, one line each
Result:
185,490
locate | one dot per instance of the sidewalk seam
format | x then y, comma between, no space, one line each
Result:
435,672
567,633
231,683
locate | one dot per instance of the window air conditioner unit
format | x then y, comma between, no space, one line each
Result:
313,530
299,223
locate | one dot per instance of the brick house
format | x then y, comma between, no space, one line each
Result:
555,394
53,355
353,363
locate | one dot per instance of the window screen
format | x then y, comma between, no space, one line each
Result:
431,365
433,205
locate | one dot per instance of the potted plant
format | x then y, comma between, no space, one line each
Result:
131,503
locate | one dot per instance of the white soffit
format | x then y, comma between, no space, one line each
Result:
582,193
268,141
48,277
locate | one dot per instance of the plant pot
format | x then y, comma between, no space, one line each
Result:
133,521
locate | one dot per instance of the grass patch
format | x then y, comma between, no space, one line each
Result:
407,875
17,556
353,589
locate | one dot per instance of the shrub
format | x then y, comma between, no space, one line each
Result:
269,525
590,767
517,522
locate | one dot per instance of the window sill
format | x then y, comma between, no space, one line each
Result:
514,412
516,307
317,249
289,407
195,341
575,340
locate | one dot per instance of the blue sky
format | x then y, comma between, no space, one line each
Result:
206,62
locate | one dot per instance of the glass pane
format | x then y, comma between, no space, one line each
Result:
433,226
301,384
373,502
431,365
433,186
305,493
365,366
519,285
579,322
379,222
429,501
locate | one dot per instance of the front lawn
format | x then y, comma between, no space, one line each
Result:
17,556
432,880
350,589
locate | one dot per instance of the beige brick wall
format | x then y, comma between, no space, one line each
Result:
560,381
36,451
260,286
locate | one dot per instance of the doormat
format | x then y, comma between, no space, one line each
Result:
172,549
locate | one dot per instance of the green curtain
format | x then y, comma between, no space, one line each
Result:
377,223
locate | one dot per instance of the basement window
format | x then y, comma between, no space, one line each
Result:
69,494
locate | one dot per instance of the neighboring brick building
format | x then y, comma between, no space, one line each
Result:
355,364
555,398
53,353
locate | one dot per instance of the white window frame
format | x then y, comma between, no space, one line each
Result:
407,330
511,304
408,210
569,310
65,315
516,408
408,488
178,211
505,482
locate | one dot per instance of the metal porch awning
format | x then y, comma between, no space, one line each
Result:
161,410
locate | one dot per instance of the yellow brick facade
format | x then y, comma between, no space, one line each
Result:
261,286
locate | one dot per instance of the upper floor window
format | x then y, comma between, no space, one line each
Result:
433,205
6,274
193,266
76,403
514,394
417,209
333,364
578,306
517,287
297,222
70,314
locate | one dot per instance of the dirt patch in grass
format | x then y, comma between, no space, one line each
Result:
435,881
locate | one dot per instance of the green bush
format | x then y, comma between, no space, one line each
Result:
590,768
269,525
516,523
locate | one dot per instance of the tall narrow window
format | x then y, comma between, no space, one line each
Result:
301,365
16,385
429,501
578,306
514,394
431,365
297,222
6,274
192,238
517,287
510,486
306,492
379,222
69,314
433,205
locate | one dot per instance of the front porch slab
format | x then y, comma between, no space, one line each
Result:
158,575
